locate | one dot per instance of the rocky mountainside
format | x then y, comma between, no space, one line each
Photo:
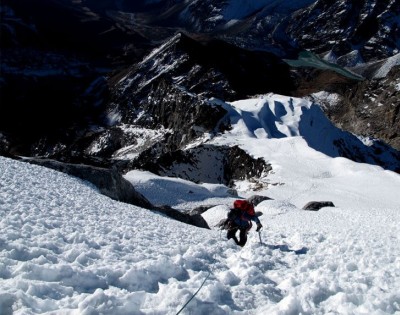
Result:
134,84
349,32
371,107
346,32
55,57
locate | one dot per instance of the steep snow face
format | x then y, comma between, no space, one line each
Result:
66,249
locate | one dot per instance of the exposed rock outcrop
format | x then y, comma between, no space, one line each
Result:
371,108
316,205
190,218
256,199
350,31
108,181
111,184
204,163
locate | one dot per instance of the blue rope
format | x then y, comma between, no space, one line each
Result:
204,281
194,294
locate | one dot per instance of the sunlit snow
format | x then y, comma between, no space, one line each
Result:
67,249
387,66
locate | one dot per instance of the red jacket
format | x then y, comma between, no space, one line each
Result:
245,215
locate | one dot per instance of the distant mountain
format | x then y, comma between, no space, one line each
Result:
349,32
346,32
54,59
133,84
258,25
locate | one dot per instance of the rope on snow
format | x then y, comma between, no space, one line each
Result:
183,307
204,281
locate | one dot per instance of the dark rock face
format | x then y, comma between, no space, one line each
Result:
192,218
108,181
205,163
165,95
316,205
206,67
255,26
353,31
69,27
310,81
364,30
183,115
200,209
371,108
241,166
375,152
54,58
167,90
166,121
256,199
111,184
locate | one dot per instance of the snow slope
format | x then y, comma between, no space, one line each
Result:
66,249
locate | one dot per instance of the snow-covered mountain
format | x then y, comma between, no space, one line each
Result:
115,84
207,158
168,111
349,32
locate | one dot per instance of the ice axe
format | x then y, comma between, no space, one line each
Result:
259,234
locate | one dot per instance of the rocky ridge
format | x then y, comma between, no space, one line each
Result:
127,88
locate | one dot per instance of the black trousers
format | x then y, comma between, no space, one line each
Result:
242,235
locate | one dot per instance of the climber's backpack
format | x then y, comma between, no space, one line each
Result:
233,214
244,206
239,206
226,224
